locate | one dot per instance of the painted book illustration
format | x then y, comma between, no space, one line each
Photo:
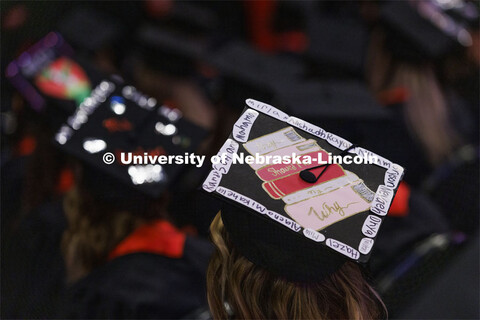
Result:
341,207
331,198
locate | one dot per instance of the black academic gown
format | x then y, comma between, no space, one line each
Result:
143,285
33,272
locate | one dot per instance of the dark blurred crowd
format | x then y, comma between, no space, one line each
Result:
400,78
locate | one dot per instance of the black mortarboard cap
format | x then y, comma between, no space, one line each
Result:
247,71
192,17
337,44
89,29
155,37
52,78
423,29
168,51
338,99
299,221
240,60
117,118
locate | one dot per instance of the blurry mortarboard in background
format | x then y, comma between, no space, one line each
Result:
240,60
185,16
465,12
168,51
117,118
338,45
88,29
427,29
342,106
247,71
32,62
52,78
337,37
336,99
280,219
167,40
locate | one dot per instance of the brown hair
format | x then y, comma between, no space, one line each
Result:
96,227
426,111
254,293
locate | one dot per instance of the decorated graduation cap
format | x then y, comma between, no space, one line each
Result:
49,71
299,219
129,136
51,78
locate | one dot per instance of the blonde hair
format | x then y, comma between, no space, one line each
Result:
254,293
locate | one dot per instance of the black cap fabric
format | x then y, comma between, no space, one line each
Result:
167,51
244,63
295,219
337,43
283,253
247,71
339,99
90,29
118,119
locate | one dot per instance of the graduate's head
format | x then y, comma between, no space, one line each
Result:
239,288
119,138
100,213
292,238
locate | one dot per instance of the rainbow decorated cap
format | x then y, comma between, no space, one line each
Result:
129,138
52,78
299,201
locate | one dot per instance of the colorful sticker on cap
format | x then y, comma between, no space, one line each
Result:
267,109
382,200
241,128
365,245
273,141
342,248
64,79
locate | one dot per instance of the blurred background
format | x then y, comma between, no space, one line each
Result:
400,78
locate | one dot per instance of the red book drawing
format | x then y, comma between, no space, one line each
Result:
277,171
283,186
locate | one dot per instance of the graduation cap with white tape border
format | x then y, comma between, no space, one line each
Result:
340,208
